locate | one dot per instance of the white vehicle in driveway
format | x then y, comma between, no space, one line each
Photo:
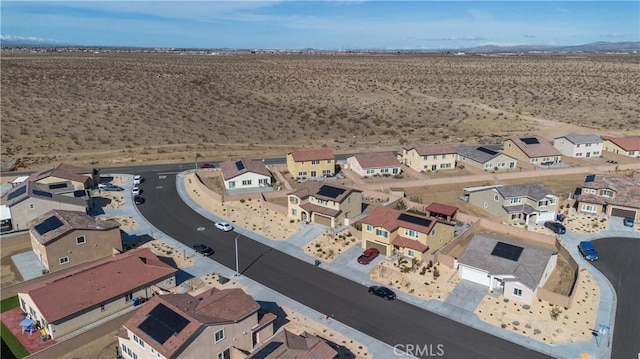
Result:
137,179
224,226
135,190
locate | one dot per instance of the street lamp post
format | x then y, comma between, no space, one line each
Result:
237,266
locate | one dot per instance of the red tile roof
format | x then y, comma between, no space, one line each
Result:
324,154
541,149
443,209
427,150
230,169
410,243
286,345
71,220
92,284
387,218
626,143
211,307
377,160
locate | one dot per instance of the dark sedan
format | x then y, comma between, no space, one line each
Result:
203,249
383,292
556,227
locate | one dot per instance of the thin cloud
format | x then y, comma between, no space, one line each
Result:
529,36
457,38
615,35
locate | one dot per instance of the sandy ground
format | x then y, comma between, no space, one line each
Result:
10,246
161,249
421,282
127,223
329,245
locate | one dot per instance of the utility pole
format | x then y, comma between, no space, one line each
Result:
237,266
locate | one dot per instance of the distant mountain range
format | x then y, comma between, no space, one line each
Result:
633,46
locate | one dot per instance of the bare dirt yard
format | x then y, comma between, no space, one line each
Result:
111,108
329,245
10,246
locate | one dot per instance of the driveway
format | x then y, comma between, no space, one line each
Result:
467,295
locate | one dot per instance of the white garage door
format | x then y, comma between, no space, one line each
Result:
546,216
474,275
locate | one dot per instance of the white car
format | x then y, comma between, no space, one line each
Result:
104,185
137,179
135,190
224,226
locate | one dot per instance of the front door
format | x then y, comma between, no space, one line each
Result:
434,167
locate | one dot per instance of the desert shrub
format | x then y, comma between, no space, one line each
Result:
515,323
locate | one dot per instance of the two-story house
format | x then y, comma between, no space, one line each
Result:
487,158
244,174
213,324
286,344
392,231
627,146
371,164
311,164
613,195
429,158
68,301
532,149
516,204
327,204
62,239
80,177
579,145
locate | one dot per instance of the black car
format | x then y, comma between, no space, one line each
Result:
556,227
383,292
137,199
112,188
203,249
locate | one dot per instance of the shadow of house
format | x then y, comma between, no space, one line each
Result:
273,308
98,205
181,275
343,351
130,241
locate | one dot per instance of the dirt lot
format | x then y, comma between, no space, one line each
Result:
112,108
10,246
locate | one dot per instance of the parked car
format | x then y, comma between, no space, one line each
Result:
103,185
628,221
137,179
137,199
136,190
383,292
207,165
203,249
555,227
224,226
368,255
588,251
113,188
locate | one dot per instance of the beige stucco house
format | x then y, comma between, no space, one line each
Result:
69,301
532,149
327,204
392,231
286,344
523,204
628,146
487,158
62,239
213,324
613,195
80,177
515,269
311,164
429,158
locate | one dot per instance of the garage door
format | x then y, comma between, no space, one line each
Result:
474,275
320,219
619,212
381,247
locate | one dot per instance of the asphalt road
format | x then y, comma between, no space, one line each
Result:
619,261
393,322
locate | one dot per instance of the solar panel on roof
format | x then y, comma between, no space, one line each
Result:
48,225
239,165
590,178
530,140
405,217
162,323
18,191
330,191
57,185
79,193
507,251
42,193
487,151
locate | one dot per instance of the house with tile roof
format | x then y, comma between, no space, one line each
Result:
213,324
443,212
612,195
324,203
311,164
527,203
30,200
371,164
485,157
71,300
80,177
627,146
429,158
512,268
245,173
579,145
61,239
286,344
392,231
532,149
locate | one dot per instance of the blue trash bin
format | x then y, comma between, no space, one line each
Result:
136,302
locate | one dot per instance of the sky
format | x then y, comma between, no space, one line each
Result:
323,25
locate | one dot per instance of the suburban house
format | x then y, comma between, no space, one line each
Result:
62,239
532,149
286,344
613,195
514,269
488,158
392,232
214,324
429,158
80,178
327,204
579,145
628,146
31,200
523,203
375,164
441,211
71,300
311,164
245,174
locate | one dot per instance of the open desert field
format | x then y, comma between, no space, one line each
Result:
112,108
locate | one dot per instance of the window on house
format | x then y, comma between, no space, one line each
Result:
517,292
369,172
128,297
385,170
516,200
411,233
326,172
445,165
606,193
232,184
485,205
329,161
501,164
315,162
381,233
32,206
246,182
579,154
219,336
314,173
102,307
64,260
263,181
81,240
433,232
411,253
293,200
552,200
534,160
138,340
302,174
369,228
516,215
323,202
444,156
543,203
224,355
496,197
294,212
589,208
